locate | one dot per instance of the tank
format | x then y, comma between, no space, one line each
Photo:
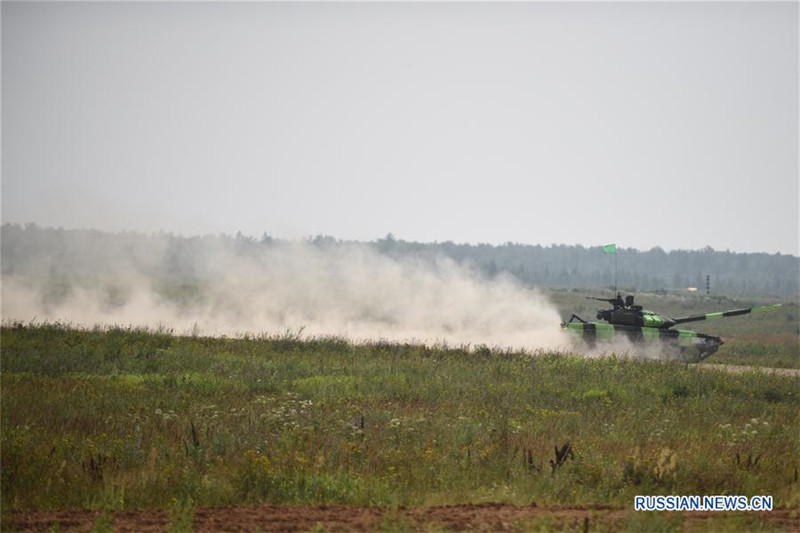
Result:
626,320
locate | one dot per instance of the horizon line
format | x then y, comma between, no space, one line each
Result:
389,236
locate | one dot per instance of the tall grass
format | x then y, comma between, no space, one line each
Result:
120,418
762,349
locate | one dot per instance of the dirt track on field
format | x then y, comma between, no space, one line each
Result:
736,369
467,517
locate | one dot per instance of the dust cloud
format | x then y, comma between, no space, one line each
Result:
217,285
623,348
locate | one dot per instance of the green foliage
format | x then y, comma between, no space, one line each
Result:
103,523
662,522
181,516
122,418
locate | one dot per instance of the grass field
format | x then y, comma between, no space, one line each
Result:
116,418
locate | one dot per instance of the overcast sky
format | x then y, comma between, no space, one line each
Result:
644,124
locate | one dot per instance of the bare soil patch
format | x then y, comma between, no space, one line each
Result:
465,517
738,369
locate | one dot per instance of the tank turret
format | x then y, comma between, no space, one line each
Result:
631,321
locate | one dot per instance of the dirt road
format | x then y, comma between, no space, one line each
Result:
741,368
474,517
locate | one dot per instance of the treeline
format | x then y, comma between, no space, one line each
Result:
85,254
577,266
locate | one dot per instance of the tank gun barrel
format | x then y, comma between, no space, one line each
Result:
723,314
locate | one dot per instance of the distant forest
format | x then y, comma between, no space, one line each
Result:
82,253
577,266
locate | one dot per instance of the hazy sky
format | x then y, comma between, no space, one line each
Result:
644,124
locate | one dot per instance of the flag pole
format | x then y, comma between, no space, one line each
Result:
612,249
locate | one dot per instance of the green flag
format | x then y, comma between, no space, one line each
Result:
610,249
